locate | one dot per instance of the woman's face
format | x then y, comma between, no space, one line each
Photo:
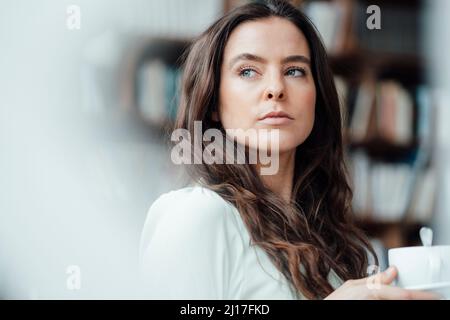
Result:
266,69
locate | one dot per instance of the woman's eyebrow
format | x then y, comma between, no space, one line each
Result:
297,58
252,57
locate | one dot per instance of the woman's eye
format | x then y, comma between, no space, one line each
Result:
247,73
296,72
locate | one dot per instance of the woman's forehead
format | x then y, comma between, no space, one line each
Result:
271,37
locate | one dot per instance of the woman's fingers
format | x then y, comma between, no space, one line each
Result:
379,286
385,277
388,275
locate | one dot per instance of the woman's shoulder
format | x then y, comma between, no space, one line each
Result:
189,212
192,246
193,201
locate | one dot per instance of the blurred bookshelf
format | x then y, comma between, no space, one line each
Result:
387,110
151,79
387,106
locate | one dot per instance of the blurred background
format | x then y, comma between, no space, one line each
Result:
88,88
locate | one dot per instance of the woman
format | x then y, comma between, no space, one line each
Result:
237,233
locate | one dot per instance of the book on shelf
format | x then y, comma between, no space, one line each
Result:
394,113
384,109
329,19
381,191
359,172
426,115
342,89
424,196
389,192
391,187
364,102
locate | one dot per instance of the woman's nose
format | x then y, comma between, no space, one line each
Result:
275,95
275,90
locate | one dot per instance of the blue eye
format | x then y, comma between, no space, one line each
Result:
247,73
296,72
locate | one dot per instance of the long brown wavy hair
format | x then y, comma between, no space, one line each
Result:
315,231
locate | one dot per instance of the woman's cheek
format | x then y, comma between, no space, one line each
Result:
239,112
308,103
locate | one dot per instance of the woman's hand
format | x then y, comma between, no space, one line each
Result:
377,287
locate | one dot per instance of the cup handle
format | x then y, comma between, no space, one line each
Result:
435,267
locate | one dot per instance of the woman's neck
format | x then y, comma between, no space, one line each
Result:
281,182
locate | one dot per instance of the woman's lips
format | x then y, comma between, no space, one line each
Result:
276,118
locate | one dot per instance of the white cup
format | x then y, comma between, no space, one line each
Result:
421,266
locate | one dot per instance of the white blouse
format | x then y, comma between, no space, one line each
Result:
194,245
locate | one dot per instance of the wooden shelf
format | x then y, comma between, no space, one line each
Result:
381,149
392,233
409,69
170,51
